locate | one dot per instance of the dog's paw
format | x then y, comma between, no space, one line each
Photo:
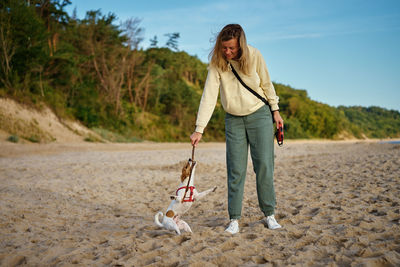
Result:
215,188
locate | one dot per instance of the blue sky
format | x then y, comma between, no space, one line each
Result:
343,52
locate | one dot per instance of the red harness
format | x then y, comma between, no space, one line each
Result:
190,197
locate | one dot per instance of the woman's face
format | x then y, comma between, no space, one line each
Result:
230,48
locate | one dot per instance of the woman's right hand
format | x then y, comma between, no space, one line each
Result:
195,138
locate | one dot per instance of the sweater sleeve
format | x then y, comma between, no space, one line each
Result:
208,99
265,82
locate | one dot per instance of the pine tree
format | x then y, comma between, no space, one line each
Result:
154,41
172,41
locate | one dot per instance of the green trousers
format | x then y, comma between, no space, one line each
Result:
257,131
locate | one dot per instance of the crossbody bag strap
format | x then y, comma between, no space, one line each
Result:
279,134
248,88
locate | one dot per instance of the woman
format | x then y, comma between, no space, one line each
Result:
248,121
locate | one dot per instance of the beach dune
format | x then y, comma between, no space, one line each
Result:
94,205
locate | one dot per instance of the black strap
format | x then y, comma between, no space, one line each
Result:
279,133
248,88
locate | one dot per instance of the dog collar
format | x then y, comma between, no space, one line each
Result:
188,198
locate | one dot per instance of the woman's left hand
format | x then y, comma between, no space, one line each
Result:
277,118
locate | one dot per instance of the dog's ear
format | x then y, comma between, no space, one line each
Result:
185,171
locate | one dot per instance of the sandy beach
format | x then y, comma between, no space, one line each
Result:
94,205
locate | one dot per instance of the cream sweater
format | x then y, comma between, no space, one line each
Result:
235,98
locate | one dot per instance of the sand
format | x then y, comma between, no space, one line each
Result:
94,205
41,126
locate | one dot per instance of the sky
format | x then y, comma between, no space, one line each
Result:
342,52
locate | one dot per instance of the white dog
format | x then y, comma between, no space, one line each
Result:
180,204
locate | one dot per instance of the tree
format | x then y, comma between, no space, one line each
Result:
130,28
103,43
7,49
54,17
22,45
133,33
172,41
154,41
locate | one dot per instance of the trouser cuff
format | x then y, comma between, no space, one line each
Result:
268,213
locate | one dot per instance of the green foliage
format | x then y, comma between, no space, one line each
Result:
305,118
33,139
154,41
13,138
23,38
114,137
92,70
172,41
373,122
93,139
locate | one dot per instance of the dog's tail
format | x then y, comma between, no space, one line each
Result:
156,219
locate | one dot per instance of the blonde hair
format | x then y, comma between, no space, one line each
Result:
227,33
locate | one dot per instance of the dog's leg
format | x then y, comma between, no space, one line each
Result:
199,196
168,221
170,224
182,224
177,230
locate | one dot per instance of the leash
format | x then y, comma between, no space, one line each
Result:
190,175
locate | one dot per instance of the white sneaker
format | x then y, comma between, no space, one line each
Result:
272,223
233,227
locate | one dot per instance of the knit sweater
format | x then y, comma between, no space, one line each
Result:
235,98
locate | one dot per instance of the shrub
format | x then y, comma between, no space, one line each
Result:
13,138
